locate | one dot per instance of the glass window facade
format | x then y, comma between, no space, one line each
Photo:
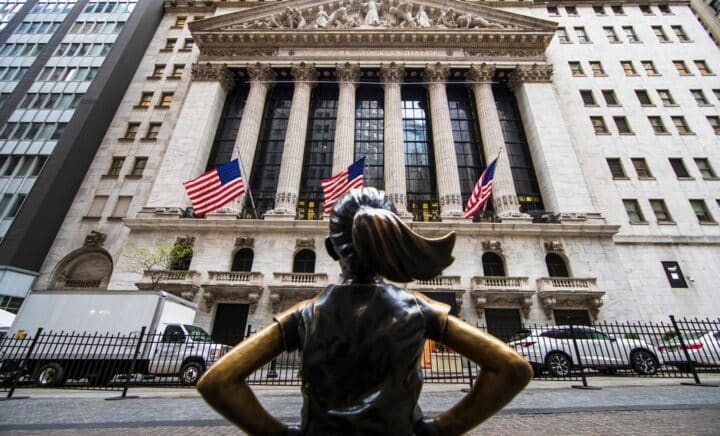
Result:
226,134
369,133
468,147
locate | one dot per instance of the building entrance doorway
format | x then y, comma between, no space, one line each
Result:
445,297
503,323
571,317
230,322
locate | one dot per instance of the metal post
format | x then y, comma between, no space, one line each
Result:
580,365
689,361
131,369
470,377
21,369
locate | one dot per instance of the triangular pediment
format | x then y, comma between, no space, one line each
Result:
386,23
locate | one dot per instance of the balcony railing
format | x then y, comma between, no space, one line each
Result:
236,277
499,283
567,284
82,284
312,279
569,293
439,282
178,282
501,291
171,275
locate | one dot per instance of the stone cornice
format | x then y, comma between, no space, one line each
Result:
535,73
482,73
208,72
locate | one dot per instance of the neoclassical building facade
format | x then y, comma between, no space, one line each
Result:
569,97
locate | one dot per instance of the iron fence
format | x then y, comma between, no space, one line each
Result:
117,362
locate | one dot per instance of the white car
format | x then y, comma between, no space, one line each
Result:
552,349
702,347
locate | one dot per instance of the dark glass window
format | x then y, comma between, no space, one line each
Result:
492,265
467,145
419,159
674,274
243,260
521,164
679,167
317,162
266,167
369,129
224,144
304,262
556,265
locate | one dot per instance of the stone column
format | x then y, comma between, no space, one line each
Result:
294,146
557,165
395,184
504,196
261,77
189,146
448,179
344,148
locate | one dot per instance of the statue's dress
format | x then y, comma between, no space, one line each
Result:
361,349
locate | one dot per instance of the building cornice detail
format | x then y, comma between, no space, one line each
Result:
535,73
481,73
208,72
303,72
261,72
392,73
436,73
347,72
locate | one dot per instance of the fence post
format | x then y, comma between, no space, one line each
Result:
689,361
470,376
131,369
580,365
21,368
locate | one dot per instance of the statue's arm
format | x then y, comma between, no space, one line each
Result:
223,385
504,374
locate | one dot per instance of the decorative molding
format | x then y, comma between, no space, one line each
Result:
208,72
185,240
554,247
231,52
504,53
436,73
261,73
304,72
392,73
244,242
94,239
480,73
348,72
535,73
492,246
301,243
501,291
569,293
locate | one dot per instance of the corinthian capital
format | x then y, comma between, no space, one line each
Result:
261,73
481,73
213,73
304,72
436,73
348,72
392,73
530,74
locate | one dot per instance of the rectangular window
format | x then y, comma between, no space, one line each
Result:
701,211
666,97
630,34
660,34
139,166
674,275
12,213
576,69
616,169
703,68
649,68
599,11
97,206
131,131
641,168
679,168
157,71
571,11
166,99
628,68
169,44
153,130
39,164
180,21
188,44
587,97
660,210
632,207
680,33
646,10
699,97
681,125
611,35
610,98
622,125
4,202
553,11
682,68
657,125
177,71
145,99
562,35
665,9
116,166
598,124
597,69
705,169
643,97
582,35
715,124
122,206
617,10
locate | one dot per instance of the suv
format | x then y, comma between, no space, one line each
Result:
552,349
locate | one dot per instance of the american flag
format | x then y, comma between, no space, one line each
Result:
336,186
215,188
482,191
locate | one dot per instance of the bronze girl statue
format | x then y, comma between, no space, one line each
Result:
362,341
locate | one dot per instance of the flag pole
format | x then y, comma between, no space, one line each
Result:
491,195
247,189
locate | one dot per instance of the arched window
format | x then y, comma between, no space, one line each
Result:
493,265
556,265
84,270
243,259
304,262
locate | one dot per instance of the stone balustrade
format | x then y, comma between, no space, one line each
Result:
288,289
569,293
240,287
236,277
439,282
501,291
81,284
177,282
302,279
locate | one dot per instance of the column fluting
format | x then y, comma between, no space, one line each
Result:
344,149
395,185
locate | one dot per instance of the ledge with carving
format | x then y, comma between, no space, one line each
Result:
183,284
233,286
440,284
288,289
569,293
501,291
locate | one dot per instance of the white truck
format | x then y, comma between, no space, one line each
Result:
93,335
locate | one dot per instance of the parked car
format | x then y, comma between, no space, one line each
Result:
702,347
552,349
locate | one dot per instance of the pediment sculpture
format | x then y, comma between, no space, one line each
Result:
358,14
